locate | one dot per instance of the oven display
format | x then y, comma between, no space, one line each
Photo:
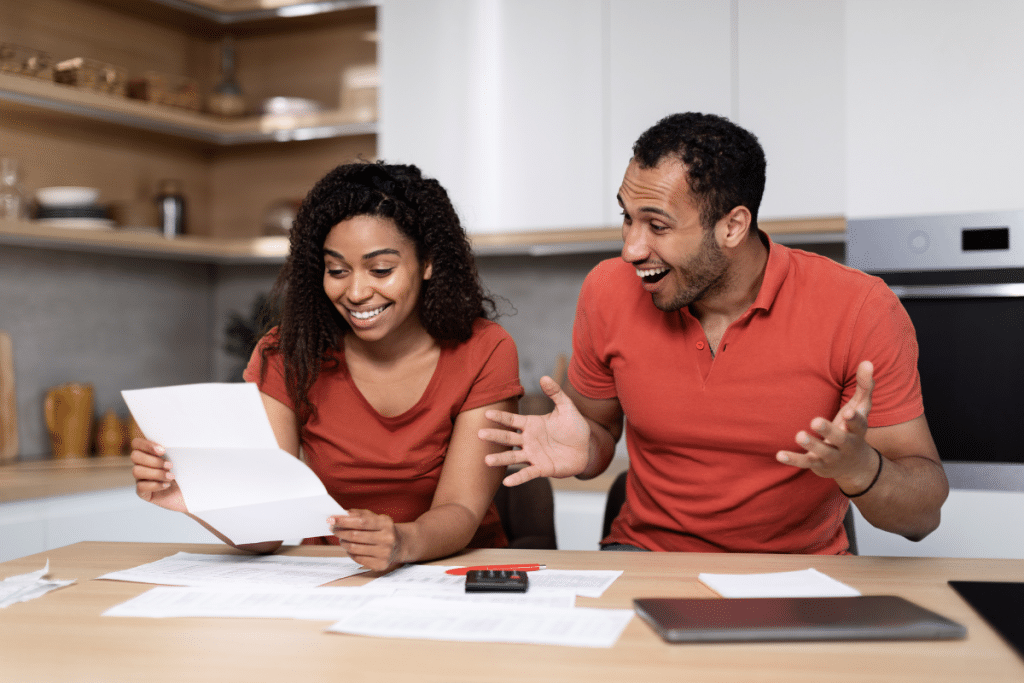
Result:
985,239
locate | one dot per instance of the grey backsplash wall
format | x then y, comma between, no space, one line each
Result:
121,322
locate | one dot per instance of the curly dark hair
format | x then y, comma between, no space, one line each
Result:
309,326
725,164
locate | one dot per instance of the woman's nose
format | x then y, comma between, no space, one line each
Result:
359,288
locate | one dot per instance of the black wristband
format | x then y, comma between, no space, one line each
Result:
873,481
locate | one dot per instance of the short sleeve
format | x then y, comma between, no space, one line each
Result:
495,354
590,372
885,336
272,381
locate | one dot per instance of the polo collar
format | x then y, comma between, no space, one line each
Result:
775,271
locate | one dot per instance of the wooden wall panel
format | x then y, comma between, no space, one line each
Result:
246,181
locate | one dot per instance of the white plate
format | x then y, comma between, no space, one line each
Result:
67,196
78,223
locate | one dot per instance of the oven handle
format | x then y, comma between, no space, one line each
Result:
957,291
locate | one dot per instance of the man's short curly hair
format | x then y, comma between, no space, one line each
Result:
309,326
725,164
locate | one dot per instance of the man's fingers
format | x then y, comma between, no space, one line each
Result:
861,400
503,459
549,386
793,458
513,420
522,476
501,437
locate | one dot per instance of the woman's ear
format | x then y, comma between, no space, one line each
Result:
428,270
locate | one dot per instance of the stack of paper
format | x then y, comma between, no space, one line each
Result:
415,601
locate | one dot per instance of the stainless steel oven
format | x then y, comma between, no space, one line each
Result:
961,279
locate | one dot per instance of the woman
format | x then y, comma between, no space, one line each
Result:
380,369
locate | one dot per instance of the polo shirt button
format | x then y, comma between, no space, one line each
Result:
700,346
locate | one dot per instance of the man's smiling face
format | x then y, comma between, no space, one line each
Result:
676,258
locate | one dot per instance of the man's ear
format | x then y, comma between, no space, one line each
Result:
734,227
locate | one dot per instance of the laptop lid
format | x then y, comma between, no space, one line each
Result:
863,617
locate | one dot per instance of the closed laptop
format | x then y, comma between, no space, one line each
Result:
864,617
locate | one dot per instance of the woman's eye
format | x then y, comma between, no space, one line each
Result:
382,272
336,272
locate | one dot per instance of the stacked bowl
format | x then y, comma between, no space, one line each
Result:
71,207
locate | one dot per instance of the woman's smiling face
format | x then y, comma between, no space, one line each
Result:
373,277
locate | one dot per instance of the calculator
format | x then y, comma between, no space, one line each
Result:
496,581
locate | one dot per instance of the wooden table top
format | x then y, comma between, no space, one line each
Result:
62,637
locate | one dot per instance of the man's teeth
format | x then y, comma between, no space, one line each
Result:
640,272
366,315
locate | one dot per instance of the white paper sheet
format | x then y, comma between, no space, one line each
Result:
429,619
197,569
585,583
808,583
554,599
281,602
226,460
267,602
23,587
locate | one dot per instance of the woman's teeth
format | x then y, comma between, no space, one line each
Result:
366,315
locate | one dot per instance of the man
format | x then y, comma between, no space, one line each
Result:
725,353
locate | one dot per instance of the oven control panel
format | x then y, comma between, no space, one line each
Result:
936,242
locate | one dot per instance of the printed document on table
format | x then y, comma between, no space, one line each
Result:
267,602
226,460
199,569
583,582
430,619
328,603
807,583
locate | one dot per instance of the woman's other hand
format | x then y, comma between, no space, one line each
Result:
372,540
154,481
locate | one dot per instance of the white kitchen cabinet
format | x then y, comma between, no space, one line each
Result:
33,526
790,93
502,102
664,57
934,103
527,110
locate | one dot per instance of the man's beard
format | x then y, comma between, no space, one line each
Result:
703,274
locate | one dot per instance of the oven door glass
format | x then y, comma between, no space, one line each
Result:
972,374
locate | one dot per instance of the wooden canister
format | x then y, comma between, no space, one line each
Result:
68,411
8,402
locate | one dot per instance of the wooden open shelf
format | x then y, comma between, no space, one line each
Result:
273,250
269,250
99,106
